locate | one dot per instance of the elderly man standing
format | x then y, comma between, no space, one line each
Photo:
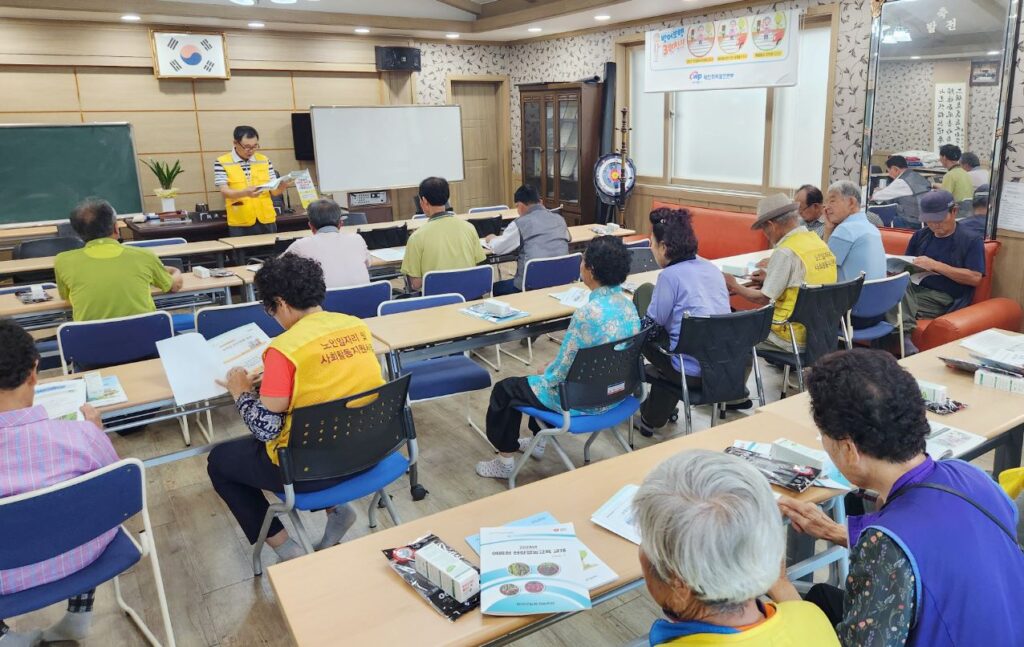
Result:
811,205
855,242
949,262
800,257
712,542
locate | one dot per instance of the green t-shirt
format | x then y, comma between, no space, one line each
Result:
957,182
105,279
443,243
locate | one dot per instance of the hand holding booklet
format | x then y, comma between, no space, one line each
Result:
194,364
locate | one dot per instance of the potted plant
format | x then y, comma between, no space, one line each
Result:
165,174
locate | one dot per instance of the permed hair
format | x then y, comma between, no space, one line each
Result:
608,260
18,355
674,228
297,281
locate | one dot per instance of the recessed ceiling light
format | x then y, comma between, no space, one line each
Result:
451,36
994,52
362,30
131,17
257,25
602,17
245,3
534,30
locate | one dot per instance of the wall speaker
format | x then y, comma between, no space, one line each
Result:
397,59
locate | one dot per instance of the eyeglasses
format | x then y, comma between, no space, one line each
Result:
248,148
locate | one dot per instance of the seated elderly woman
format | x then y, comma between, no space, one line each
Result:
607,316
712,544
297,373
938,563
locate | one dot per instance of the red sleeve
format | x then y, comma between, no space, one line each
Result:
278,375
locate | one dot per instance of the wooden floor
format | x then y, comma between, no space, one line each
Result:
214,598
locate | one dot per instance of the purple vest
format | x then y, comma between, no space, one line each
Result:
969,574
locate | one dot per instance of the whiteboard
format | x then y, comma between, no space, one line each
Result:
360,148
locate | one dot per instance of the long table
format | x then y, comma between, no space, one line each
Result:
45,263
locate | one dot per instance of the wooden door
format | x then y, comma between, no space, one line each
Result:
484,183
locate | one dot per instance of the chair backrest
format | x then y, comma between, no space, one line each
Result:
65,230
396,306
821,309
603,375
637,243
543,273
880,296
471,282
359,301
722,345
86,345
487,226
886,212
175,262
155,242
46,247
493,207
217,320
353,218
281,245
641,259
48,522
419,216
396,236
26,288
346,436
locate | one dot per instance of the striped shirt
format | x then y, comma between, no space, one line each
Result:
220,176
36,452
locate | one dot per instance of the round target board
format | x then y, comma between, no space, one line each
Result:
608,174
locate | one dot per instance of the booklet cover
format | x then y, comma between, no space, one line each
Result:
595,572
63,400
949,442
531,570
194,364
617,514
402,560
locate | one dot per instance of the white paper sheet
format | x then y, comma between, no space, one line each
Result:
616,514
949,442
62,400
988,342
242,347
573,297
389,254
192,368
1011,206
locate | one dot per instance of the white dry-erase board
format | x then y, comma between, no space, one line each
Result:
361,148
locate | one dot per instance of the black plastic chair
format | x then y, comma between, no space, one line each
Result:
817,309
723,345
40,249
641,259
357,437
487,226
281,245
384,237
353,218
609,375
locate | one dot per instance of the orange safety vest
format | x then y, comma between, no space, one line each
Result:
244,212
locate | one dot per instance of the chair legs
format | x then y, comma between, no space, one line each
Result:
899,330
149,550
757,378
185,435
529,352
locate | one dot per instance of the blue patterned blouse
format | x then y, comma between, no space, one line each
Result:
607,316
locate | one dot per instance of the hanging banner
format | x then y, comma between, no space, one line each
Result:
744,52
304,185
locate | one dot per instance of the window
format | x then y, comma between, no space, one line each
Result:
753,140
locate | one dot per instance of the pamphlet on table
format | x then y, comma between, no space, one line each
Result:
494,311
63,400
949,442
575,297
389,254
194,364
993,348
616,514
527,570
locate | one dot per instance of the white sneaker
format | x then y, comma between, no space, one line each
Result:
494,468
538,451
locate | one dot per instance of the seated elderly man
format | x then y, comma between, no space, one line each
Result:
855,242
800,257
712,544
342,254
811,206
938,563
951,258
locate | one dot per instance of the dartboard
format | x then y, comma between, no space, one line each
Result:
607,174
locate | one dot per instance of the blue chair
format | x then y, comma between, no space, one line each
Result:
541,273
609,375
641,259
42,524
495,207
366,456
359,301
876,299
472,283
155,242
216,320
440,377
886,212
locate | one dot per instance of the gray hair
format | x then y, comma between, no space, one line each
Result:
847,189
786,218
324,213
710,520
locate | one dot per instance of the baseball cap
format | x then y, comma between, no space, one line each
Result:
935,205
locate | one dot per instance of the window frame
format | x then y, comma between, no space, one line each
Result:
814,17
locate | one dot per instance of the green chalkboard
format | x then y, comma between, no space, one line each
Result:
45,170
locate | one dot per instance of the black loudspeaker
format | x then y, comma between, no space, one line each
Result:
302,136
397,59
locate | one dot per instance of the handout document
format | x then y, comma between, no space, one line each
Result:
389,254
194,364
997,348
63,400
617,514
276,182
949,442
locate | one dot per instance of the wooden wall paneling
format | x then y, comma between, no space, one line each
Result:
40,117
123,88
301,50
26,42
399,88
156,132
1009,266
336,89
216,126
245,90
37,88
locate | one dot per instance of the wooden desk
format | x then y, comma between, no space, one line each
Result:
316,592
206,229
15,235
44,263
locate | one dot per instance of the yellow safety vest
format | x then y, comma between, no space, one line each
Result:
244,212
333,358
794,623
820,269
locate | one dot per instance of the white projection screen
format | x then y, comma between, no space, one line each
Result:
361,148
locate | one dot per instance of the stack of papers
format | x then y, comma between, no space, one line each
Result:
949,442
573,297
480,313
193,364
528,570
389,254
998,349
595,572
